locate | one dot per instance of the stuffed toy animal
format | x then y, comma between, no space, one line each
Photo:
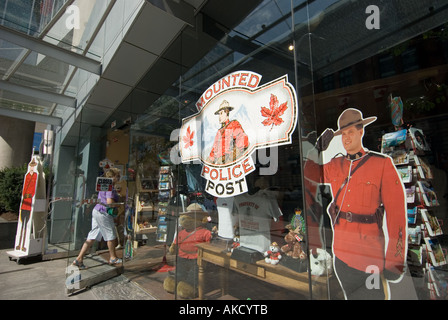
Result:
192,232
235,244
273,255
236,239
293,248
322,263
214,232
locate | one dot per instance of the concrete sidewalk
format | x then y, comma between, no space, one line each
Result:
45,280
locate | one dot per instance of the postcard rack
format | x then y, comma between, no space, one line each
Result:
165,193
409,149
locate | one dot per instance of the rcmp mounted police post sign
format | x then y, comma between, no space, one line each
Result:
237,116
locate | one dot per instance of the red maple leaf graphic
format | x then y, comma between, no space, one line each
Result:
188,139
274,112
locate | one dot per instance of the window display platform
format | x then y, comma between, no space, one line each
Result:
143,270
273,274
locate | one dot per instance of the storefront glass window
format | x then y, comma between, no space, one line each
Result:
339,195
378,62
332,68
181,211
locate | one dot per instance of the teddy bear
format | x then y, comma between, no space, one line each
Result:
322,263
293,248
236,239
235,243
273,255
192,232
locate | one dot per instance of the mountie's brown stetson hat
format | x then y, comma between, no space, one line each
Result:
352,117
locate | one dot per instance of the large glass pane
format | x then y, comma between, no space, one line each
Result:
9,56
15,101
376,60
335,239
77,25
42,72
95,238
161,227
29,17
230,264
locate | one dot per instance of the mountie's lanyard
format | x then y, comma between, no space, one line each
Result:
345,183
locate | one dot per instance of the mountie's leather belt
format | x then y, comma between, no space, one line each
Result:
360,218
376,217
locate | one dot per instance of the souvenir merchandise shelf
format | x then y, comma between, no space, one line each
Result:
146,206
409,149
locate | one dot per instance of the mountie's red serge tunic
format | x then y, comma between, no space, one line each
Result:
376,182
28,191
229,139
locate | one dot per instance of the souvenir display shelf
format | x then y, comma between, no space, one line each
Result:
164,195
146,206
408,149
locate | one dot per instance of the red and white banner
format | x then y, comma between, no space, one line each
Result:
235,117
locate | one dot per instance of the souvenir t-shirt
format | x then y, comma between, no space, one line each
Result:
227,219
255,214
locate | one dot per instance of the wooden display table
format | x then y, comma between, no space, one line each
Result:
274,274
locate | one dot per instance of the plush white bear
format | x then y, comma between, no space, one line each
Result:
235,244
273,255
322,263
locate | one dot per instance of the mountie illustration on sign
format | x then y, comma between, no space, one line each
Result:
230,141
237,116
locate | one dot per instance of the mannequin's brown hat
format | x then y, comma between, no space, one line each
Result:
352,117
223,106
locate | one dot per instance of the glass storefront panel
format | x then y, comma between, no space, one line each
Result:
382,62
175,210
95,153
31,70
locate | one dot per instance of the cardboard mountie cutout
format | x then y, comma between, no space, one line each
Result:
236,117
32,207
367,210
